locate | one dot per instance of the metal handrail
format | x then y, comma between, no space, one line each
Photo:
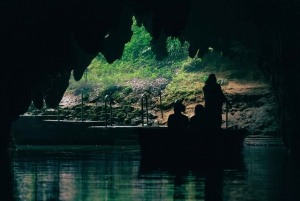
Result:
57,112
227,115
105,107
81,105
162,115
160,101
142,105
160,107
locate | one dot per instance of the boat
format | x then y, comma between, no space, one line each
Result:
154,142
162,143
42,130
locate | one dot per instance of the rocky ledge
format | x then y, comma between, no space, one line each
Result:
254,106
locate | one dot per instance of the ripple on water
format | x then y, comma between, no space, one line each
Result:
262,140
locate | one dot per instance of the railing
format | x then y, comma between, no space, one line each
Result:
81,105
105,102
162,115
108,98
144,96
58,112
226,115
158,91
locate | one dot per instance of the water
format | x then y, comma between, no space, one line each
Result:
118,174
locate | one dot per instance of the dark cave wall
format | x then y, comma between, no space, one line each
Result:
279,27
43,41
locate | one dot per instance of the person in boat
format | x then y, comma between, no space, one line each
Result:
214,100
178,120
198,120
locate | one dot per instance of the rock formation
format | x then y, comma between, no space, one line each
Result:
42,42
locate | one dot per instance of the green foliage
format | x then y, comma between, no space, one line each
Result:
127,90
111,90
204,78
138,61
187,75
121,116
176,50
186,86
192,65
222,81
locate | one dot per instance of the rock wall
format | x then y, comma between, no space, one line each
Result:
42,42
254,107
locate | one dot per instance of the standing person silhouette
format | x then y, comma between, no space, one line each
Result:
214,99
178,120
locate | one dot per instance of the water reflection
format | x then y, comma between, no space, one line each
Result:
6,176
107,173
74,175
193,180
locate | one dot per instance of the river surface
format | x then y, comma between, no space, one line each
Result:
88,173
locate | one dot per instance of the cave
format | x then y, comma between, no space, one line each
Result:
42,42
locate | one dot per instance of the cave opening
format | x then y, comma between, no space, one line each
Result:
52,39
177,76
251,46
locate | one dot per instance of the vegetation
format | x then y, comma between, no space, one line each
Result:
137,61
186,75
185,86
137,72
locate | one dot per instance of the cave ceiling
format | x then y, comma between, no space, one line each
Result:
42,42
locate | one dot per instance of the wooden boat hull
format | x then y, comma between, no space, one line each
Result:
168,144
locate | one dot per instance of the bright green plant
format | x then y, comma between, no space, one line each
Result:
204,78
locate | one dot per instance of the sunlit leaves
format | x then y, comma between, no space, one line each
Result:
138,61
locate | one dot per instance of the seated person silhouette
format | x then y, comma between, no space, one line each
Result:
198,120
178,120
214,100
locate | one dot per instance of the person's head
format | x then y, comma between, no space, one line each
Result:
179,107
211,79
199,109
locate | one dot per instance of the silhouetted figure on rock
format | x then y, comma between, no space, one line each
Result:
178,120
214,99
198,120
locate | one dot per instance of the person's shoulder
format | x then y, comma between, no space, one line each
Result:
171,116
218,85
186,117
215,84
193,118
182,115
